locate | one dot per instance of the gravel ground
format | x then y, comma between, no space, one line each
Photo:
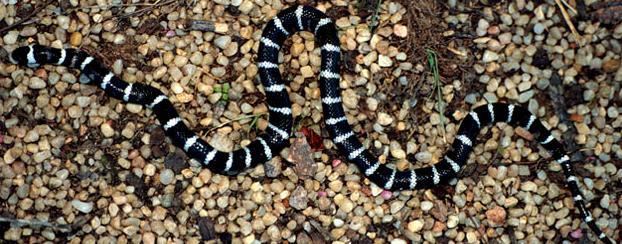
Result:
78,166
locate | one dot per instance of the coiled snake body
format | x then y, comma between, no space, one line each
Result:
279,128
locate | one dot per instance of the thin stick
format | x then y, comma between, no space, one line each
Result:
35,223
118,5
433,64
577,37
149,8
572,9
22,20
234,120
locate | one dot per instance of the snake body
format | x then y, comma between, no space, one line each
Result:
279,128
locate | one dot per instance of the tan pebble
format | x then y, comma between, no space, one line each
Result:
149,170
246,7
246,47
133,108
184,97
37,83
148,238
582,128
426,206
396,206
496,215
297,48
611,65
159,213
41,73
13,234
214,97
246,108
524,133
221,28
398,241
493,30
384,61
231,49
529,186
415,226
107,130
350,99
384,119
9,156
452,221
346,205
472,237
269,219
438,226
335,185
128,131
306,72
246,32
372,103
124,163
337,233
375,190
75,39
160,72
396,150
343,22
138,162
143,49
249,239
400,30
180,61
119,199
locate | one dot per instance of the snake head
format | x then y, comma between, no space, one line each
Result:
4,55
25,55
20,55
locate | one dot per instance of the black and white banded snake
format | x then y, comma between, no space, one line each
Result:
279,128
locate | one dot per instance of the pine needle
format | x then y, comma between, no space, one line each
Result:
433,64
577,37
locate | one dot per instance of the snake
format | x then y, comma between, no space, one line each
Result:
277,133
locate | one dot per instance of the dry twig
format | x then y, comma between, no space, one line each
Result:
22,20
577,37
148,8
35,224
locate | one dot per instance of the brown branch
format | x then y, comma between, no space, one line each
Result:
22,20
35,224
147,9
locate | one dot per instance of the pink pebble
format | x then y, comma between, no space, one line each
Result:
1,139
576,234
336,162
386,195
322,194
170,33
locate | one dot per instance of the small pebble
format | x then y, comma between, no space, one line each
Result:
84,207
167,176
298,199
426,206
386,195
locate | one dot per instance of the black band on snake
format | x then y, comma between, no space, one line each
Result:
267,145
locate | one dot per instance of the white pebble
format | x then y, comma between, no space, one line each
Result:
384,61
415,226
222,41
490,56
81,206
423,157
384,119
426,206
167,176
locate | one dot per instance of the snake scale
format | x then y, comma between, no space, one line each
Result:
276,137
